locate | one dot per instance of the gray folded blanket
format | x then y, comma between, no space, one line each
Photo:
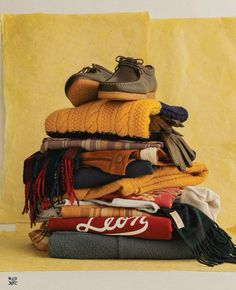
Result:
76,245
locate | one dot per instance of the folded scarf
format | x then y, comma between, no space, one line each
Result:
146,227
173,112
75,245
168,176
76,211
96,144
122,118
209,244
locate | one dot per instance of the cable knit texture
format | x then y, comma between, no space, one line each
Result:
168,176
121,118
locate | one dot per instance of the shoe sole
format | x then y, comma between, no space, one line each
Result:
123,96
82,91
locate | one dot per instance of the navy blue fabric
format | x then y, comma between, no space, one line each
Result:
173,112
92,177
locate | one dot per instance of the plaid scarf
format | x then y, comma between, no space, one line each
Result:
46,176
95,144
210,244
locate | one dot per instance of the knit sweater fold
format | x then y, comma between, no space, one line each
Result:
101,116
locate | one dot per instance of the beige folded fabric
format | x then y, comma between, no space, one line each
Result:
202,198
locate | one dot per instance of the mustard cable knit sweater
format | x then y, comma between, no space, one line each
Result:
102,116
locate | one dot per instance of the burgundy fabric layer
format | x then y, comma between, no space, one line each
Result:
154,228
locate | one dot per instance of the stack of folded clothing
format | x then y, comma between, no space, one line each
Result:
115,180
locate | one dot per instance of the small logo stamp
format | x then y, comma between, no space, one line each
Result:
12,281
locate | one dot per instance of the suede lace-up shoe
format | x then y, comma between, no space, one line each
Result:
82,87
131,81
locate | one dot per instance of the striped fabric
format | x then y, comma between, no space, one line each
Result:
39,238
96,144
99,211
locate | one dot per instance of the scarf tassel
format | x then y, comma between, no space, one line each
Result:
34,191
68,169
216,248
30,202
27,193
50,178
40,184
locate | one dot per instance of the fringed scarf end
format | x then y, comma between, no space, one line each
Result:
216,248
46,177
27,193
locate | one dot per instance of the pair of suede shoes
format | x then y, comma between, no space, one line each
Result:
131,81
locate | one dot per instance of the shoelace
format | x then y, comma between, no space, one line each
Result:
88,69
133,62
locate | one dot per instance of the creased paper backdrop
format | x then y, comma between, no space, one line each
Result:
2,119
40,52
195,60
196,68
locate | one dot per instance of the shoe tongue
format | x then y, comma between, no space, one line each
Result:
129,61
128,73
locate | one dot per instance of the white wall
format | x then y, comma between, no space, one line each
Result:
156,8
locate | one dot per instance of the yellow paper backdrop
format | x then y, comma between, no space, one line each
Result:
40,52
2,121
195,60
